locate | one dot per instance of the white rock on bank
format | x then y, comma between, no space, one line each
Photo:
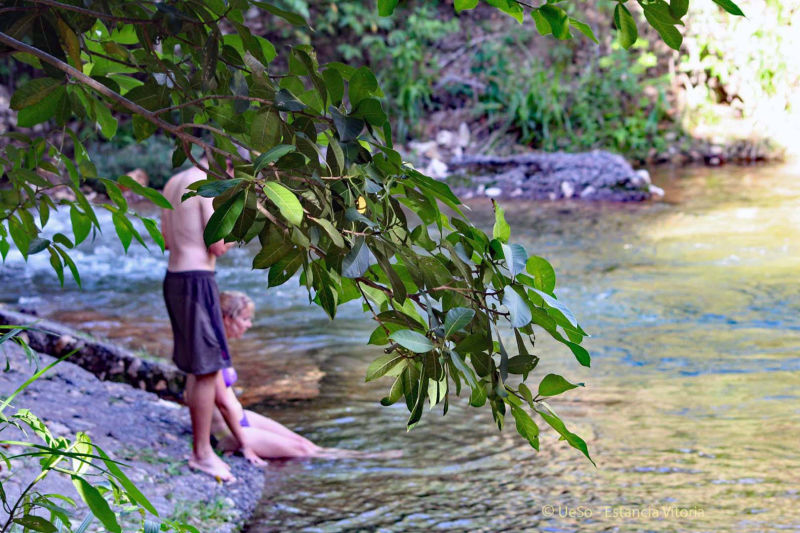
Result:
588,191
436,169
445,138
493,192
656,191
463,135
567,189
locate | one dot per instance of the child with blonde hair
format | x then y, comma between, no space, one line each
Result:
266,437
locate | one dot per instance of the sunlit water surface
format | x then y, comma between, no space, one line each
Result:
691,408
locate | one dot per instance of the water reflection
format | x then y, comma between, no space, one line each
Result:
690,409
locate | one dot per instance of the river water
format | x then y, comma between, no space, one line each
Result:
691,409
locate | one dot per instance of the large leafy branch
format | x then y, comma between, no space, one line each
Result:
316,181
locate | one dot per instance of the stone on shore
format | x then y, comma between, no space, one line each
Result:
149,435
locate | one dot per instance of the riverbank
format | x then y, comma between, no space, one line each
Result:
149,435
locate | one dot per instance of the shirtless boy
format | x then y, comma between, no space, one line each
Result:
192,298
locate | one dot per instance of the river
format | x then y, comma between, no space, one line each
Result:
691,407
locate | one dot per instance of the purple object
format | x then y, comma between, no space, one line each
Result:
229,376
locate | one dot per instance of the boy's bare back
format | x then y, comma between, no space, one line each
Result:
183,226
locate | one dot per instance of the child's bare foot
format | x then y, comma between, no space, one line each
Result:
213,466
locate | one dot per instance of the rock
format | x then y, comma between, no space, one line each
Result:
427,149
558,175
446,138
644,175
436,169
516,192
462,140
139,176
656,191
493,192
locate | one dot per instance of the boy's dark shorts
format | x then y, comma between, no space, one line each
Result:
192,300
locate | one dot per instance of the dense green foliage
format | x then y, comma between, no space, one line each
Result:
316,181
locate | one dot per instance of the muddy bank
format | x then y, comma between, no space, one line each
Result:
150,435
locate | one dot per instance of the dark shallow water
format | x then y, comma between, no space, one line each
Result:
691,410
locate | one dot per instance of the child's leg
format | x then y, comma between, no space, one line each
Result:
267,424
270,445
200,400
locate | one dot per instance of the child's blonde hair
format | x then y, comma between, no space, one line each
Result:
234,302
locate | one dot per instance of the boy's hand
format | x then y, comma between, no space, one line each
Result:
254,459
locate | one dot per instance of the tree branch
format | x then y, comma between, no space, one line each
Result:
133,107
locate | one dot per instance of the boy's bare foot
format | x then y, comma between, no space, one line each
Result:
213,466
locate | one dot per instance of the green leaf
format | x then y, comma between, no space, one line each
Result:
288,16
286,202
81,224
133,492
552,302
114,192
285,101
335,85
386,7
501,230
97,504
580,353
456,319
356,262
517,307
411,340
526,426
108,124
515,256
556,423
370,109
380,366
522,364
395,392
362,84
151,194
42,110
285,268
71,264
730,7
557,19
347,128
222,221
332,232
544,276
265,131
153,230
542,26
628,33
553,385
463,5
464,369
37,245
123,229
213,188
678,8
36,523
585,28
478,396
34,92
660,18
272,155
